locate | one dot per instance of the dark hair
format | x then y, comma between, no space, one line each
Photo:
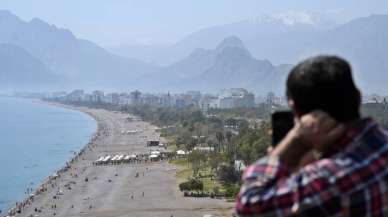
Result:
324,83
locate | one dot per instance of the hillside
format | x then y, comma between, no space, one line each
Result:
81,62
251,32
229,65
18,69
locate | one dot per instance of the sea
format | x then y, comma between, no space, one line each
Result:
36,139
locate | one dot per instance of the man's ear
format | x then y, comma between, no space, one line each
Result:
294,107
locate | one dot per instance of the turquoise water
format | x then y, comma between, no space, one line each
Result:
36,139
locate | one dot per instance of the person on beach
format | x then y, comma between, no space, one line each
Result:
347,172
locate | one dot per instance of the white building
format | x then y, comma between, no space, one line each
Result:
98,96
236,98
112,98
207,102
135,97
75,96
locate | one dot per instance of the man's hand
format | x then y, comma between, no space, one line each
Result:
315,130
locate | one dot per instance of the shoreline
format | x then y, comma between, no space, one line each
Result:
67,163
84,189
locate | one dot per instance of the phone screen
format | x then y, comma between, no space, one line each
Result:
282,123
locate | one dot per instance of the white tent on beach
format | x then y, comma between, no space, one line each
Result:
100,159
180,152
155,153
106,159
120,158
153,156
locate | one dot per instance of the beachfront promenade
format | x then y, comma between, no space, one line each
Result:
146,189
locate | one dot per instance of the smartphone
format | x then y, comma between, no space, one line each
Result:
282,123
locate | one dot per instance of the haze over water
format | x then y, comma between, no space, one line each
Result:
36,139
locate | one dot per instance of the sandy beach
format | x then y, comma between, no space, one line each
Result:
125,190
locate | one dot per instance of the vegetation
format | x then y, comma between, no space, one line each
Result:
259,112
191,185
253,143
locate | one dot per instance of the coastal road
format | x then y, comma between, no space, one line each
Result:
115,190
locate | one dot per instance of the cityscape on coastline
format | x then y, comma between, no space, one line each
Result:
225,99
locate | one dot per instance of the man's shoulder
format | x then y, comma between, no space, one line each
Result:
364,159
371,142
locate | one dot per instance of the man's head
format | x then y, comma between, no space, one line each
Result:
324,83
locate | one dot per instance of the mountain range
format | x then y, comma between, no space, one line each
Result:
363,41
249,54
78,62
19,67
255,32
230,64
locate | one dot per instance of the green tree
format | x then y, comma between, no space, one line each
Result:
253,143
220,140
215,161
191,185
195,158
228,174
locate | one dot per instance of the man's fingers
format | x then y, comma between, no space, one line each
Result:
328,124
319,114
336,133
318,121
330,138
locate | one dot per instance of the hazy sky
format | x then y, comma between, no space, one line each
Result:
115,22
